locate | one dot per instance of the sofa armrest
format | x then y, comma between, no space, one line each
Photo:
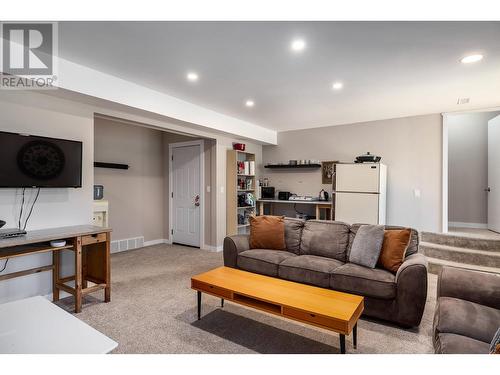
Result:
411,280
411,262
473,286
233,245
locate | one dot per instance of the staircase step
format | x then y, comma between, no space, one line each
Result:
435,266
466,242
461,255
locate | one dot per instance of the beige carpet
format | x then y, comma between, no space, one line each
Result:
153,310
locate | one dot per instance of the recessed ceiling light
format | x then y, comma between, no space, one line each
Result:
471,59
192,77
298,45
337,85
249,103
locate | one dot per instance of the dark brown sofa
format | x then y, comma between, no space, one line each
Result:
317,254
467,311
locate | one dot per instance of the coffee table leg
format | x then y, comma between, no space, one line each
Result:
355,336
222,302
199,305
342,344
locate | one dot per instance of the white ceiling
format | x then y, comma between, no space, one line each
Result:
389,69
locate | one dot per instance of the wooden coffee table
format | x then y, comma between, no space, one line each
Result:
325,308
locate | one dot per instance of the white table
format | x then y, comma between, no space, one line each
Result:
37,326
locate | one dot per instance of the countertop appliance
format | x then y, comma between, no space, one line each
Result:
360,193
267,192
367,158
283,195
323,195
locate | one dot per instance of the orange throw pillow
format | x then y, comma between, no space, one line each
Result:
394,248
267,232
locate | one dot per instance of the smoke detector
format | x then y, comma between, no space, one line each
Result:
461,101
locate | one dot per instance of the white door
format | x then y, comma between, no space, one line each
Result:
363,178
494,174
186,195
357,208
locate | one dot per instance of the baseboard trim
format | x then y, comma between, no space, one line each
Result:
214,249
157,242
458,224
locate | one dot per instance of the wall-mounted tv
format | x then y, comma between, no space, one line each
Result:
33,161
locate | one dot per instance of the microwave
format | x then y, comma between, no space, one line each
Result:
267,192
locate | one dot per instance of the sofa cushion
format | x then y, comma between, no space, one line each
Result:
367,245
325,238
450,343
308,269
370,282
412,247
267,232
262,261
466,318
293,234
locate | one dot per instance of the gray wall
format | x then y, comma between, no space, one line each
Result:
136,196
410,147
468,157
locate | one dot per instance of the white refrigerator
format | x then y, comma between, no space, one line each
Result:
359,193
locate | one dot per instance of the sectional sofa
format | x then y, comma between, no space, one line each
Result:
317,253
467,311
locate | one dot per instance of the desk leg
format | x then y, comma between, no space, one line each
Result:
317,212
78,275
55,275
261,208
107,290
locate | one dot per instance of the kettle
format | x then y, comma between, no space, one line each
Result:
323,195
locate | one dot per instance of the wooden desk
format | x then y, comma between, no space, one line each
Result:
91,246
319,205
37,326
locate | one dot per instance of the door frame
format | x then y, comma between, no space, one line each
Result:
444,175
171,148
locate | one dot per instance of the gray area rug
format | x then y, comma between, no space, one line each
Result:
153,310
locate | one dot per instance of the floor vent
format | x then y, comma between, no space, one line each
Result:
127,244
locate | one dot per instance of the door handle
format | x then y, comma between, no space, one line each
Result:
197,200
488,189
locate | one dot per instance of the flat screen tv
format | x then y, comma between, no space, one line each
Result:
33,161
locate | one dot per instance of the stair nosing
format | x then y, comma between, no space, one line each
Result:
493,253
451,263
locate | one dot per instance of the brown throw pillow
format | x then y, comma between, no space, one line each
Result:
394,248
267,232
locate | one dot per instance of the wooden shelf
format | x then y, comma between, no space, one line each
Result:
234,176
288,166
18,251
